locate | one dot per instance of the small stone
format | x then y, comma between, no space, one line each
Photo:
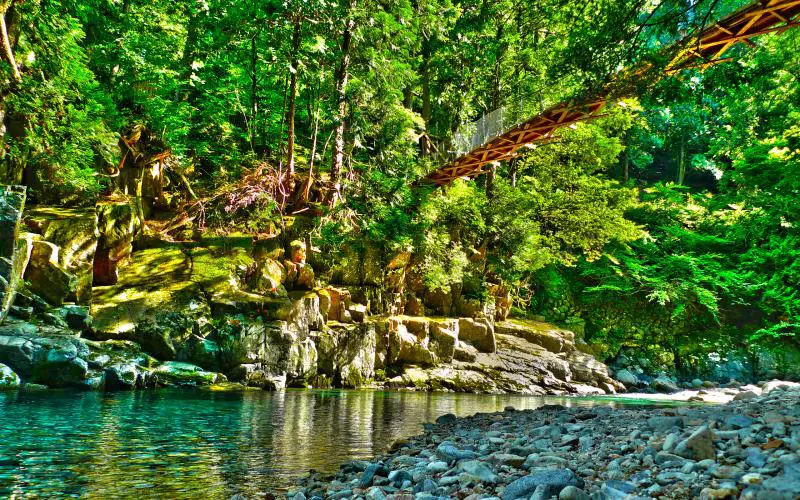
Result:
664,459
718,493
573,493
508,459
671,441
744,396
425,486
755,458
698,446
664,423
725,471
375,493
398,477
738,421
478,469
751,478
437,467
448,451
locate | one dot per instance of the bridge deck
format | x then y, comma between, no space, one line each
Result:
700,50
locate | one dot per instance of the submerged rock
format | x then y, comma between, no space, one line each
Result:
177,373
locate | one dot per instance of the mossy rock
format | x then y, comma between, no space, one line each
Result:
156,280
177,373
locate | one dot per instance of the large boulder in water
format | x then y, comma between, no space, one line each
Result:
53,361
177,373
347,353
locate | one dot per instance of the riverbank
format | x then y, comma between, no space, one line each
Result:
747,448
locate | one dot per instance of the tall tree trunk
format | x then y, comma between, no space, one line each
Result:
497,99
292,103
626,172
253,90
314,137
189,51
8,52
427,112
408,97
682,166
513,171
341,105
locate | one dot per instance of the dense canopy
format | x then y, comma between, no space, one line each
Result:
672,221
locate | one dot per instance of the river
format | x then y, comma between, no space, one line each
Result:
199,443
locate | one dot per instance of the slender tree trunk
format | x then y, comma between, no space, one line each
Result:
682,161
427,112
626,172
7,50
253,91
185,91
497,100
292,103
513,170
314,136
341,107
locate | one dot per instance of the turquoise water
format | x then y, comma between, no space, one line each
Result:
190,443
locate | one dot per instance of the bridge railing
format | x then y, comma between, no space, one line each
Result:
494,123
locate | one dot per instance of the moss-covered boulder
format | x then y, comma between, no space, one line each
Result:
158,281
177,373
544,334
347,353
47,277
74,232
118,222
8,379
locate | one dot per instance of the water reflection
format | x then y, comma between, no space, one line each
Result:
183,443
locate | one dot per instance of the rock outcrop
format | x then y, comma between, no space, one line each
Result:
54,358
111,304
12,260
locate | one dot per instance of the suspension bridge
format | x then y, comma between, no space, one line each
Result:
502,133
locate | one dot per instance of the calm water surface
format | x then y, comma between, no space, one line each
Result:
190,443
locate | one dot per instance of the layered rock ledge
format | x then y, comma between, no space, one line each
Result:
746,449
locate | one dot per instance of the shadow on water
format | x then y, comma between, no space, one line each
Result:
189,443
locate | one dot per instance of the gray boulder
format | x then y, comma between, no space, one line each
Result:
698,446
47,277
627,378
664,384
554,480
479,333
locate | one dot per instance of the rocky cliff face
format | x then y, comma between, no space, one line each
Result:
108,304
